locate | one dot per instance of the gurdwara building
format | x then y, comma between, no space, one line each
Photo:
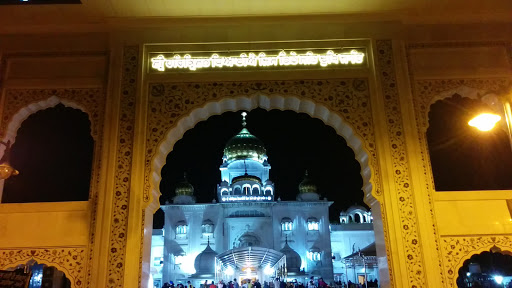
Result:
249,234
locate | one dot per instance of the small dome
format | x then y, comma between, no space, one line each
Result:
244,145
184,188
205,261
355,208
293,260
307,186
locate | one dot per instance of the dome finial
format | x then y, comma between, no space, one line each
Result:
243,119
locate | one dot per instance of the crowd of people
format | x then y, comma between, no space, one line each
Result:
276,283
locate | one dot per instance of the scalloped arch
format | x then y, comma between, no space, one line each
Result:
270,102
474,252
25,112
43,261
489,98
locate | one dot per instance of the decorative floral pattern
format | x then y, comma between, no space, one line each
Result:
71,261
407,211
169,102
117,245
458,249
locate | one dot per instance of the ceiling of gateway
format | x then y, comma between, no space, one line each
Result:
112,12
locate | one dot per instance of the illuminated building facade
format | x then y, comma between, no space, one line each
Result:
96,58
247,222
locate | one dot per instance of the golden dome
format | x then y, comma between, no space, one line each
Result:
307,185
184,188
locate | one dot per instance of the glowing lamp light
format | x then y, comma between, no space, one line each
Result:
498,279
485,121
6,170
268,270
229,271
468,274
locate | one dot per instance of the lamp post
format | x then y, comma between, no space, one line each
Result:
6,170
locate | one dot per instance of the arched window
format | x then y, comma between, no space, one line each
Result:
247,190
181,228
238,191
54,153
312,224
207,228
268,192
357,218
458,151
41,275
255,190
286,224
314,254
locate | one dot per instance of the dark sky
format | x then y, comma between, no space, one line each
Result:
53,152
294,142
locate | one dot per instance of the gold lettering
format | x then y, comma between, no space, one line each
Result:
161,63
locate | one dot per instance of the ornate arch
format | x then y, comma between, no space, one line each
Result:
178,107
456,250
21,103
432,90
71,261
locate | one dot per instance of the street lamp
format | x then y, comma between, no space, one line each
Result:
484,121
6,170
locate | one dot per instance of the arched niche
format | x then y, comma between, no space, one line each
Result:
17,117
23,113
45,274
54,152
481,269
453,144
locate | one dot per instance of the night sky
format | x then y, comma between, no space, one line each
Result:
294,142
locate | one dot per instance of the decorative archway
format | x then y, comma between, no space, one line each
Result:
71,261
175,108
456,250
